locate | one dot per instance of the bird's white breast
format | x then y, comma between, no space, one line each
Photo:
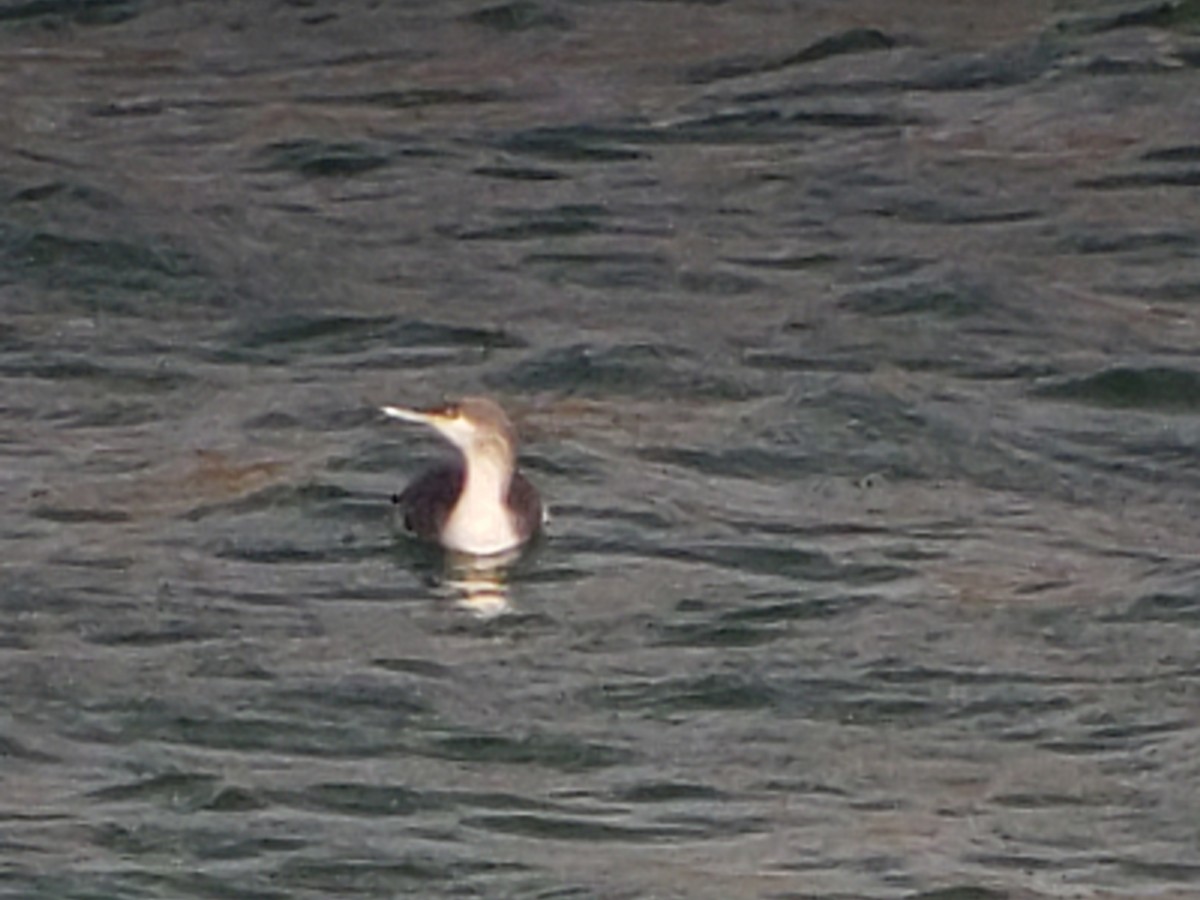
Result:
481,522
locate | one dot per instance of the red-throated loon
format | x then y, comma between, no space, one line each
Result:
479,504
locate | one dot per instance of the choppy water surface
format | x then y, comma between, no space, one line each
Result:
854,345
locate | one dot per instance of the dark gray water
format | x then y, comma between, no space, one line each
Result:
855,345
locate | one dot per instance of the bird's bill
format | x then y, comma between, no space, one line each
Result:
424,417
446,420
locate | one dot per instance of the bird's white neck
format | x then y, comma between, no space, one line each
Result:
481,522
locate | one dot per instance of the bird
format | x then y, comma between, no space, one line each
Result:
477,504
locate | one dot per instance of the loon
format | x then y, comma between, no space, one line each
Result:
478,504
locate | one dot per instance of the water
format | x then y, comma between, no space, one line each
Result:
855,347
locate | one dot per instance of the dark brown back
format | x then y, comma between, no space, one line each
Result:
426,503
526,505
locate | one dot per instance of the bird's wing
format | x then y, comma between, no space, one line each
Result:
525,503
427,501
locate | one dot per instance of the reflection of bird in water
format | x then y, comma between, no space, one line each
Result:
480,583
478,504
